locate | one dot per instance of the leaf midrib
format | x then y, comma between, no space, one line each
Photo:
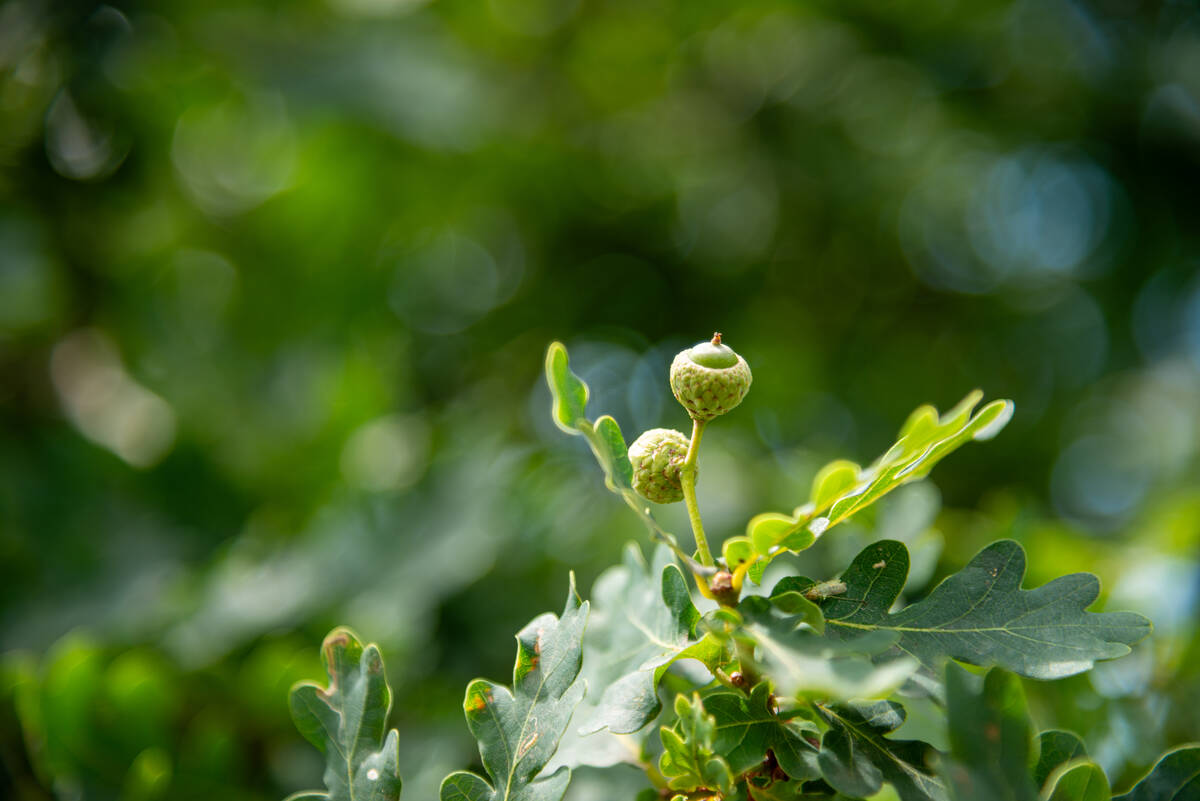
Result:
512,767
871,739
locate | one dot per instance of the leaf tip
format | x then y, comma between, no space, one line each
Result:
573,597
1004,413
479,695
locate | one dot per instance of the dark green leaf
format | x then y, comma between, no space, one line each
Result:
518,730
787,790
1055,748
856,757
1176,777
1079,780
570,394
746,728
990,736
346,722
981,615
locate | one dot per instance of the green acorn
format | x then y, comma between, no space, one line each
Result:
709,379
657,456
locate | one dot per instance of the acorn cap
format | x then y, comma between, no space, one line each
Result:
709,379
657,457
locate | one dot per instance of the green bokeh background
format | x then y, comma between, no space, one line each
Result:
276,280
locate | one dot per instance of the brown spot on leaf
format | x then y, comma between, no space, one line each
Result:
477,700
879,565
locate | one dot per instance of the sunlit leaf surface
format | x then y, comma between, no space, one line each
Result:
642,620
346,721
842,489
518,730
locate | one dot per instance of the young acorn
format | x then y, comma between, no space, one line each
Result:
657,457
709,379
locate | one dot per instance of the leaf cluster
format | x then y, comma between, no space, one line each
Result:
801,690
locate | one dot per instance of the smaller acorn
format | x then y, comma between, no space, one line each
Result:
657,457
709,379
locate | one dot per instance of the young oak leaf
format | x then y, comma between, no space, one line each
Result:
346,722
569,411
690,758
857,757
982,616
518,730
842,489
642,621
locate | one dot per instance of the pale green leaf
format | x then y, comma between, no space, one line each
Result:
691,760
346,721
642,620
569,411
772,533
518,730
570,394
801,663
831,482
1077,780
614,454
915,454
842,489
737,550
981,615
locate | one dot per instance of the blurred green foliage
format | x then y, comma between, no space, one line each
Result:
276,280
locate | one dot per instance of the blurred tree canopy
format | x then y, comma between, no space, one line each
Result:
276,280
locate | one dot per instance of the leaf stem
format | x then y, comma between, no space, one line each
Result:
746,664
687,478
